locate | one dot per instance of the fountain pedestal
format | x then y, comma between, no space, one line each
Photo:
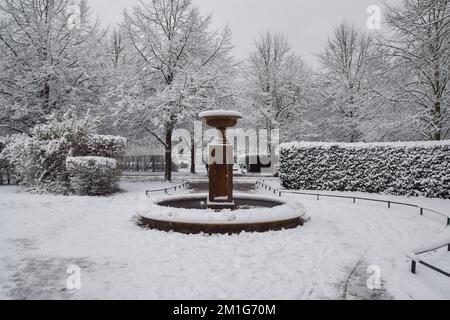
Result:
221,162
221,159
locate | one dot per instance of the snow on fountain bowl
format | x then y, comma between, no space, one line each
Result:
252,213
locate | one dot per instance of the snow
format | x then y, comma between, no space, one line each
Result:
363,145
437,244
286,211
96,161
41,235
110,138
221,113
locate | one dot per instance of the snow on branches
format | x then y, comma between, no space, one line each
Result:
179,63
46,66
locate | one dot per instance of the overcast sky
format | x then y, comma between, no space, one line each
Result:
307,23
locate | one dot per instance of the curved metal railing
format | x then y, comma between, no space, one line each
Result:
389,203
415,259
414,256
180,186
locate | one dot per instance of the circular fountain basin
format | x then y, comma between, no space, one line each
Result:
252,213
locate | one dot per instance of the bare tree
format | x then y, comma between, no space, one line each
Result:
179,62
116,48
420,52
347,80
47,61
278,79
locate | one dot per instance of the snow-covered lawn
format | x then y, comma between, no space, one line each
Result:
40,236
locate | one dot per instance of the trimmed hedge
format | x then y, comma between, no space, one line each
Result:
92,176
113,147
408,169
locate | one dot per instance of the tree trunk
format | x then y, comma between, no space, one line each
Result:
168,147
193,156
437,135
269,138
46,97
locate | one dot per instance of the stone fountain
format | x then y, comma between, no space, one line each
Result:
220,159
225,212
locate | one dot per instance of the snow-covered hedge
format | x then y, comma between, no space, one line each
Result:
39,160
113,147
92,176
39,165
411,168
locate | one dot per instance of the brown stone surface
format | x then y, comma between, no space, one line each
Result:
239,185
196,228
221,122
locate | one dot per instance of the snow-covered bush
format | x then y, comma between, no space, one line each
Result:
411,169
113,147
92,176
39,160
38,164
6,170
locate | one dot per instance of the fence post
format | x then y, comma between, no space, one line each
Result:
389,204
354,200
421,211
318,197
413,266
448,221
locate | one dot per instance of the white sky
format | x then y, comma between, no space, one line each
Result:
307,23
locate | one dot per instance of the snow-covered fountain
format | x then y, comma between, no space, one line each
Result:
220,210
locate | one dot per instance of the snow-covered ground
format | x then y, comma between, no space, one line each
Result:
41,236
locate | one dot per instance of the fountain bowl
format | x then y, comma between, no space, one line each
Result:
188,214
221,118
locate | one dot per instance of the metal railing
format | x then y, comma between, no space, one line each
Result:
414,256
264,186
389,203
180,186
415,259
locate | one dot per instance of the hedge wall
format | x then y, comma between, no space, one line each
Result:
410,169
92,176
113,147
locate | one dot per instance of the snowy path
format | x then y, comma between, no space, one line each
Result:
40,236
